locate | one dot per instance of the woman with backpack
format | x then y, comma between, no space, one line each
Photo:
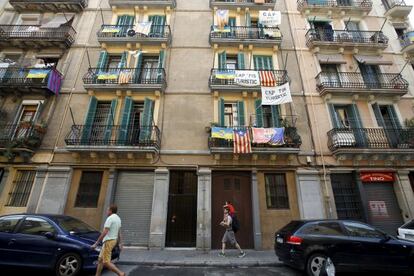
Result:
229,236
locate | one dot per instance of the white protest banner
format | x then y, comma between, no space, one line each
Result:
270,18
247,78
276,95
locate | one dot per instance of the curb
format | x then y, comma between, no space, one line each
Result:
202,264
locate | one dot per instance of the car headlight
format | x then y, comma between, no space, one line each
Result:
98,248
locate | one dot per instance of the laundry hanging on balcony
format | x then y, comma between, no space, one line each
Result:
125,76
57,21
272,32
37,73
270,18
276,95
222,133
241,141
108,75
143,28
247,78
271,136
222,18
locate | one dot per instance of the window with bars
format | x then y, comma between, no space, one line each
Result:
22,187
89,189
276,191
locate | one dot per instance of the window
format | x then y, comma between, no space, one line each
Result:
113,61
231,63
342,113
400,32
89,189
22,186
231,115
267,116
263,62
7,224
323,228
276,191
149,66
35,226
362,230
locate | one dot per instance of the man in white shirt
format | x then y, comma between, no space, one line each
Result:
110,236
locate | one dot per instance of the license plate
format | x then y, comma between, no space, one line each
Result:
279,240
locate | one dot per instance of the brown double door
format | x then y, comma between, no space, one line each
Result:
234,187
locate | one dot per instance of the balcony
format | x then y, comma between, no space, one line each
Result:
407,43
374,143
30,80
339,7
143,3
20,139
348,83
49,5
113,138
121,34
236,35
292,142
224,79
128,78
340,39
35,36
251,4
396,8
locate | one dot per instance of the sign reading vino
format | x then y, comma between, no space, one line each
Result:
377,177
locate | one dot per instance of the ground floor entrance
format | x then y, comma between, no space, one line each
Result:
235,187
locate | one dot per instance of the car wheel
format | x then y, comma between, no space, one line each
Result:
315,264
68,265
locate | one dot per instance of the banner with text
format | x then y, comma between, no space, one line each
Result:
276,95
270,18
247,78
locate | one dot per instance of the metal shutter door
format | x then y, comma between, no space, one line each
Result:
134,199
379,193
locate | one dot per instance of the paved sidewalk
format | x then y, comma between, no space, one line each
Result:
135,256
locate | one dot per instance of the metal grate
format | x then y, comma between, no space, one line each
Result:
22,186
347,200
276,191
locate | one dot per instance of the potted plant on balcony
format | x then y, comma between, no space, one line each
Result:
291,135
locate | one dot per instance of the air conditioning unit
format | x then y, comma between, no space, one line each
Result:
131,32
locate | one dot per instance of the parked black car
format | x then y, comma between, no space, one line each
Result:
55,242
352,246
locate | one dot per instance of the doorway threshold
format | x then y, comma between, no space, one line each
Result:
180,248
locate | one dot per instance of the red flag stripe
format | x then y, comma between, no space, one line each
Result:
241,143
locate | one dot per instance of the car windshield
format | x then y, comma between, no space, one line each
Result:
74,225
409,225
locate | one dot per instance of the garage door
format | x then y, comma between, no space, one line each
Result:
383,209
134,199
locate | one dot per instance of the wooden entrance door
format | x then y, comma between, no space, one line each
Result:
234,187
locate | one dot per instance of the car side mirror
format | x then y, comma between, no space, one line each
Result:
50,235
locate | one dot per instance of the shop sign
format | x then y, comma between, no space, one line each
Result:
377,177
378,209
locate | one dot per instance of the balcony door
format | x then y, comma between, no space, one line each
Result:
387,119
330,75
100,121
354,31
267,116
136,122
158,25
27,117
149,69
323,30
370,74
263,62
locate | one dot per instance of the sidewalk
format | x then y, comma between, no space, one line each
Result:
135,256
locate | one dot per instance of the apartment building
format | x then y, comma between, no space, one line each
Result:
125,110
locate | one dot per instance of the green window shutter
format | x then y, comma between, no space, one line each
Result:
110,121
129,20
125,119
146,122
259,112
123,62
221,111
394,118
232,21
257,62
378,115
240,61
240,113
275,116
161,61
355,116
90,116
358,131
158,22
103,60
222,60
334,117
138,68
248,19
268,63
263,62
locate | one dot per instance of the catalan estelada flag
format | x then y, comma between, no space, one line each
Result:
267,78
241,141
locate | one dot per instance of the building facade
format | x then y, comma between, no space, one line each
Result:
124,111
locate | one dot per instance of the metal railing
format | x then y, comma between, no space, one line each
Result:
246,32
407,39
117,76
371,138
352,80
36,32
22,135
389,4
291,139
280,76
244,1
359,4
114,135
341,36
122,31
31,77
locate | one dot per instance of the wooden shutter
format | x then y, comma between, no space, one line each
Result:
125,119
240,113
259,112
103,60
138,68
110,122
240,61
275,116
222,60
358,131
146,122
334,117
378,115
158,22
221,111
123,62
394,118
161,61
90,116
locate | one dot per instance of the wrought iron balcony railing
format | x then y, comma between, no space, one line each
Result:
148,3
125,76
396,8
25,35
246,33
225,77
49,5
389,4
138,137
354,4
122,33
26,136
370,38
353,80
370,138
291,140
48,79
407,40
250,3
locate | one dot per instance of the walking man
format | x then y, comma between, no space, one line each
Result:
110,236
229,236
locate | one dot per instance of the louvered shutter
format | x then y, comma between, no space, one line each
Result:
221,111
138,68
103,60
161,61
125,121
240,113
110,121
222,60
122,63
357,125
146,122
90,116
336,123
275,116
240,61
259,112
